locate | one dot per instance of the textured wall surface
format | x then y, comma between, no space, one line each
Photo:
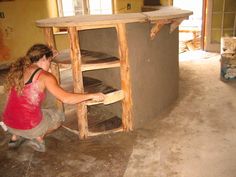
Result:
153,65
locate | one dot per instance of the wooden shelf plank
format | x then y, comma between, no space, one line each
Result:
89,21
90,60
96,26
116,130
101,65
120,129
109,98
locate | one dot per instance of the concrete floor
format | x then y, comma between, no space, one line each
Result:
195,137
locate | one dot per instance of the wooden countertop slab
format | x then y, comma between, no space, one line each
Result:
91,20
84,21
167,13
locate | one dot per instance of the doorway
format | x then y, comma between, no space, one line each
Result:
191,31
220,22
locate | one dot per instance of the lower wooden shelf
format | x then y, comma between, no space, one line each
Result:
109,98
101,120
90,60
120,129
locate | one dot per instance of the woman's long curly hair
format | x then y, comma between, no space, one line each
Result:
15,78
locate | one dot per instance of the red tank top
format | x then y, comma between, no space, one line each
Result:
24,111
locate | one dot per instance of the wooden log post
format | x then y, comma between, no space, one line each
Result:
78,80
50,41
49,37
127,118
157,27
85,7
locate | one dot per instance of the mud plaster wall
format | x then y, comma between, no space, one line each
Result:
5,52
153,65
127,6
18,28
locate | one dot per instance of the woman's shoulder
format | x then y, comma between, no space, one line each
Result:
46,75
46,79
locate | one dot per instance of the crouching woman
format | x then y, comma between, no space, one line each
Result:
27,81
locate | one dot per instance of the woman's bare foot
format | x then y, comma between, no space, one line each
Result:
38,144
14,137
15,141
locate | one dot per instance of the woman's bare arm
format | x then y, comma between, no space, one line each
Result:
52,86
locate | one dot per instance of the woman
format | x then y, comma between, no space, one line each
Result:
26,83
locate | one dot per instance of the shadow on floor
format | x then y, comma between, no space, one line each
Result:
67,156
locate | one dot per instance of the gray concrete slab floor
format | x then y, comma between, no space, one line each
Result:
195,137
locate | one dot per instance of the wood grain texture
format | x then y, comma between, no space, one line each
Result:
109,98
127,118
78,80
50,41
94,21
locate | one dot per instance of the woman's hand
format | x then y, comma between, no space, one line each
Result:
66,97
98,97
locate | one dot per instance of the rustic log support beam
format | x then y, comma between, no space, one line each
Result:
50,41
175,23
49,37
78,80
56,72
127,118
157,27
160,23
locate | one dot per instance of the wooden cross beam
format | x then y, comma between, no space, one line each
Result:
175,23
157,27
160,23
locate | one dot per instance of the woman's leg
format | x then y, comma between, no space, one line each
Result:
54,119
14,137
38,144
39,139
15,141
52,129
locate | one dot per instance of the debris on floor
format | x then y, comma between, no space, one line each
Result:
228,58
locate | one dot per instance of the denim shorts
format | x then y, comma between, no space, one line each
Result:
51,120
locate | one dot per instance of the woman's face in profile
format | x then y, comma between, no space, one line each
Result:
46,62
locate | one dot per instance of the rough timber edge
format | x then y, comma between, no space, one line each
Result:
94,20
